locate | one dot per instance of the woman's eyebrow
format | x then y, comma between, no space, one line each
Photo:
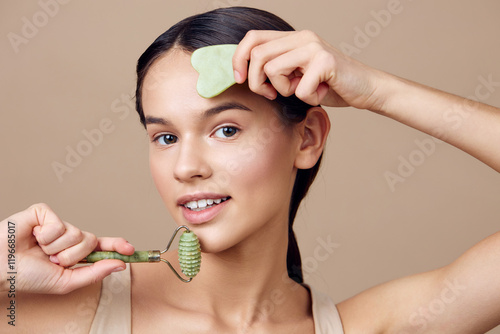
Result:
223,107
155,120
206,114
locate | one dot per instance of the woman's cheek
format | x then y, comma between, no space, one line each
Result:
264,165
162,177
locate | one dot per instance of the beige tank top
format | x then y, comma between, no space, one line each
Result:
114,314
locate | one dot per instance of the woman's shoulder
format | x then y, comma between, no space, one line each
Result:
390,306
434,301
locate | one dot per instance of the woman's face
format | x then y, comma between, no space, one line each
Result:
223,166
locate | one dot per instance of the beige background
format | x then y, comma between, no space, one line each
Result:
77,70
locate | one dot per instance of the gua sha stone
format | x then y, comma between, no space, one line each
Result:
214,63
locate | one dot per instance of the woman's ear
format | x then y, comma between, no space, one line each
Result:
313,131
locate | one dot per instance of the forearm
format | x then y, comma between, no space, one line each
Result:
468,125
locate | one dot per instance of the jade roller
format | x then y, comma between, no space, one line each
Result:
189,255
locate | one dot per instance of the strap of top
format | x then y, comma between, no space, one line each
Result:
113,313
325,314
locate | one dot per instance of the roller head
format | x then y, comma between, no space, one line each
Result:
189,254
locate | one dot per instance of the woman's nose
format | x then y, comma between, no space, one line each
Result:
191,163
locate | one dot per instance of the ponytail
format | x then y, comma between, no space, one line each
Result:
303,181
293,258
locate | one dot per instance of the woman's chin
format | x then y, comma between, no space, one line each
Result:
213,246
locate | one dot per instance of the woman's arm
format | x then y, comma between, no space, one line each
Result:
463,297
303,64
471,126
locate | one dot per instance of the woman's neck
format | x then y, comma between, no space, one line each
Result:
249,283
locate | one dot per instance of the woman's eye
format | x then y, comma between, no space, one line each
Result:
226,132
166,139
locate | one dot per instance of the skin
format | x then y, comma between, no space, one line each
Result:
305,64
295,62
196,162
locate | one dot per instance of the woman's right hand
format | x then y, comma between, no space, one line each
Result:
45,248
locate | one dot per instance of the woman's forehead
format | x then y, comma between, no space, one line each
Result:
171,83
173,70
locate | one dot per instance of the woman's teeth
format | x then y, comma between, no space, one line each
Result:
203,204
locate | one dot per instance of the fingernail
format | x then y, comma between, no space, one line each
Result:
237,76
270,96
118,269
53,259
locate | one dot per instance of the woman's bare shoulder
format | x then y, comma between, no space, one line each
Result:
434,301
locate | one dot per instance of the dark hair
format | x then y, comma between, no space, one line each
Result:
229,26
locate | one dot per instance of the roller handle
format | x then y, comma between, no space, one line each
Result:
138,256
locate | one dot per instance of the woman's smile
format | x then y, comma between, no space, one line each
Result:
204,204
203,215
202,208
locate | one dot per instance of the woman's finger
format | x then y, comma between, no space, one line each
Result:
313,86
252,39
72,279
47,226
265,62
277,57
72,255
119,245
286,70
69,238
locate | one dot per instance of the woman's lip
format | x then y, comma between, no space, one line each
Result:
196,197
203,216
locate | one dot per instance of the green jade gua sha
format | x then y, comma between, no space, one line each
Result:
214,63
189,255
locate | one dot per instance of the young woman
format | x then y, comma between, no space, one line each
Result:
241,199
